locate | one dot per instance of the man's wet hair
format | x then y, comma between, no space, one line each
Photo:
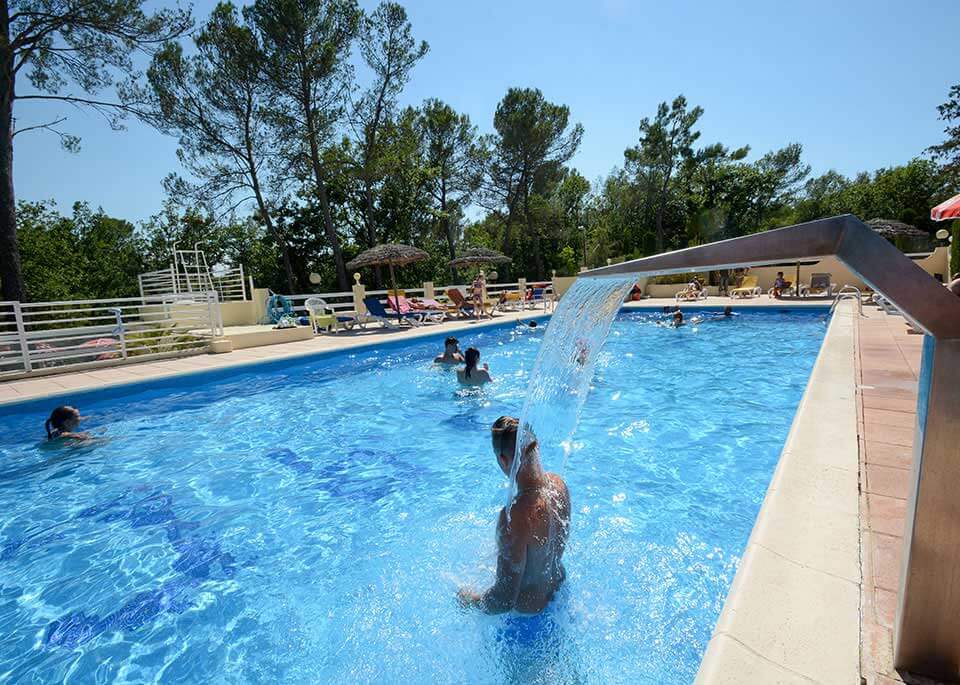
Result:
504,432
450,341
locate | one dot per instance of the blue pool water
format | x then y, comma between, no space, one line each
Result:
312,521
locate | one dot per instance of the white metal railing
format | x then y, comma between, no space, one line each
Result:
848,292
230,284
51,336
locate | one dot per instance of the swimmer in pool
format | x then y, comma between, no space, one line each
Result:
471,374
64,423
451,352
531,541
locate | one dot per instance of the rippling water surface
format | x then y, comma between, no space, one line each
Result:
312,522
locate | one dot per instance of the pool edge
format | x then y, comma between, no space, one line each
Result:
792,614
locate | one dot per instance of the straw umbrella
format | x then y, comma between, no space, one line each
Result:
476,256
390,254
891,229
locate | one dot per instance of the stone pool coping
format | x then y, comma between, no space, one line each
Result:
792,614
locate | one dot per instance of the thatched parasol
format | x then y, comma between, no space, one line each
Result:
476,256
891,229
391,254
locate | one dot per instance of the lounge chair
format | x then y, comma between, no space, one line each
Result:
819,285
406,307
541,293
377,312
689,293
464,308
748,288
787,289
324,316
512,301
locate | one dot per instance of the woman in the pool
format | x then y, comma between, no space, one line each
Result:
471,374
531,539
64,423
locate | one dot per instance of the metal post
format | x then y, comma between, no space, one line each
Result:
927,628
22,337
118,331
243,283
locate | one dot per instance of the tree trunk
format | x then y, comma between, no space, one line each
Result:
538,266
661,203
287,266
371,229
11,277
448,230
331,232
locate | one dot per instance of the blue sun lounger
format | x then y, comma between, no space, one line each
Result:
378,312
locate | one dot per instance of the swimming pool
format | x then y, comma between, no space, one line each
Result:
311,521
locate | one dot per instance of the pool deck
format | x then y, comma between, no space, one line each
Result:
24,389
888,368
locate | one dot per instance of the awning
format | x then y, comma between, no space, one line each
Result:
947,210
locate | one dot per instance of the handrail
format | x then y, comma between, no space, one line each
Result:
844,294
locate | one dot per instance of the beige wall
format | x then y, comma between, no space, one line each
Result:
935,263
246,312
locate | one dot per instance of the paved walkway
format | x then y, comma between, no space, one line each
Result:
888,369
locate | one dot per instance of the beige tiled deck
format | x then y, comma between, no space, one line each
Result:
888,368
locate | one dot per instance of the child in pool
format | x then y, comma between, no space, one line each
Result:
63,424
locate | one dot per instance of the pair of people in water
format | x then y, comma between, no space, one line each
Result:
472,373
677,320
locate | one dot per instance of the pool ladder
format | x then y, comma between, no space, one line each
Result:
848,292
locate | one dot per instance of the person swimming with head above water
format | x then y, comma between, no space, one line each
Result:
531,540
63,424
451,352
471,374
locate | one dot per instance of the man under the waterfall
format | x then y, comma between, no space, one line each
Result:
531,541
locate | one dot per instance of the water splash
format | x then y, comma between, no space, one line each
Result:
561,375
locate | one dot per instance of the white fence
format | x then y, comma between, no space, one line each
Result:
45,337
230,284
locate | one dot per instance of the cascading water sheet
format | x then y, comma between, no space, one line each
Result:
562,372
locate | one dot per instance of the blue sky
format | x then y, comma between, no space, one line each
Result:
856,82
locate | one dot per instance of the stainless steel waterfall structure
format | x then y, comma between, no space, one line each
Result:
927,632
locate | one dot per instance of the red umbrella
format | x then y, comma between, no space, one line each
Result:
946,210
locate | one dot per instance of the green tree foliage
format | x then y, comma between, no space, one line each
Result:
666,142
454,158
390,52
86,255
215,102
296,154
948,152
533,141
306,44
69,51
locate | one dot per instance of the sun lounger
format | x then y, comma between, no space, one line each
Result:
464,308
407,307
748,288
819,285
512,301
689,293
377,312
